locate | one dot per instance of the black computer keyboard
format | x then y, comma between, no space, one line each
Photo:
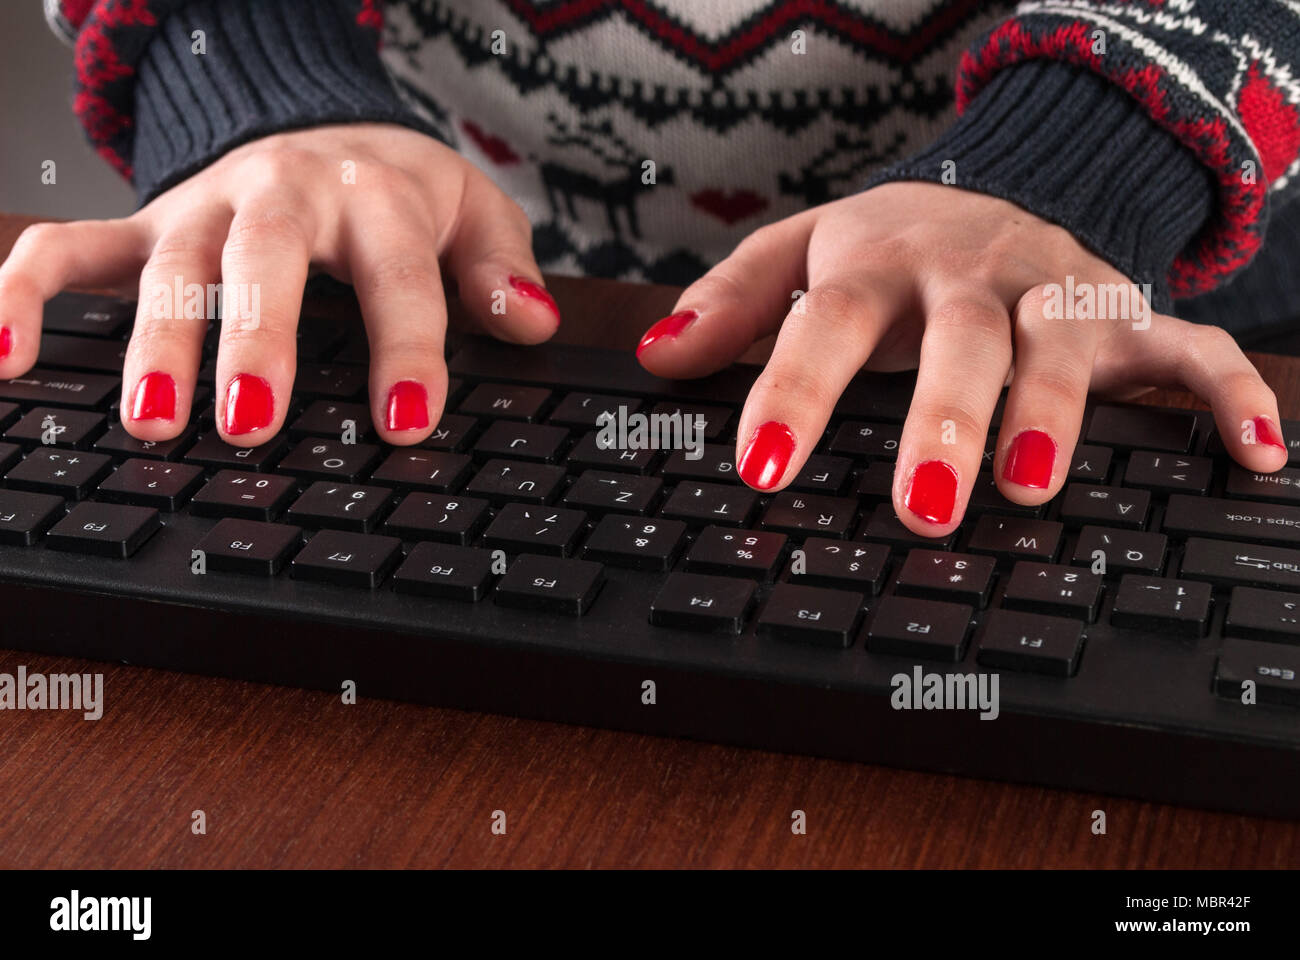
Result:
511,564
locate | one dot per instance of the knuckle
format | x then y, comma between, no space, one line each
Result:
38,235
786,386
833,301
179,251
276,165
1055,387
890,251
266,226
970,315
399,273
1244,383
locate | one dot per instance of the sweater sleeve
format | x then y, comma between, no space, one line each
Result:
164,87
1160,134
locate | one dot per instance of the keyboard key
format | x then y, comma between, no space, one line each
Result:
60,388
939,575
25,516
104,529
1124,551
151,483
327,418
1240,564
798,514
810,615
1168,473
527,529
343,506
452,434
504,480
823,474
1108,506
876,482
87,314
866,441
912,627
212,451
1232,519
1273,668
693,601
1139,428
9,413
1155,603
1054,589
249,496
521,441
433,470
249,546
985,497
336,381
81,353
736,553
118,441
1016,537
602,491
715,463
583,410
1281,487
1030,642
821,562
431,516
51,427
445,570
883,526
588,453
505,400
716,419
10,453
635,543
319,459
1090,463
550,584
347,559
66,473
1260,615
701,503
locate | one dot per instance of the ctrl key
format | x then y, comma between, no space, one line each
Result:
697,601
1274,669
552,584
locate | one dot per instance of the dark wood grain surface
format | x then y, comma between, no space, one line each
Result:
292,778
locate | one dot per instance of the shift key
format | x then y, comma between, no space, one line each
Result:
1232,520
59,388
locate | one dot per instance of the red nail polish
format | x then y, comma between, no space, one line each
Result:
6,342
933,491
766,456
533,291
155,397
1265,431
669,327
408,406
1030,459
250,405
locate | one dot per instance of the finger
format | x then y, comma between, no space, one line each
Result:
823,342
491,257
263,270
965,354
162,359
1044,411
743,298
51,256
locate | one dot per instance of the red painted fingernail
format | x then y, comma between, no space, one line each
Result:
250,405
6,342
1030,459
766,456
1265,431
155,397
933,491
534,291
408,406
669,327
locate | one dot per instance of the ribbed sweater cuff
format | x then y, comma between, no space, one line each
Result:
1073,149
269,66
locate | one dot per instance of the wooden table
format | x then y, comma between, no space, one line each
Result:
293,778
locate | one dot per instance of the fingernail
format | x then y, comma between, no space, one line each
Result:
408,406
1265,430
6,342
1030,459
766,456
155,397
250,405
669,327
534,291
933,491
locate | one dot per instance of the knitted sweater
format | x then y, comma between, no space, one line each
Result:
645,138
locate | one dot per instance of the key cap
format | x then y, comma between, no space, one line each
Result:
694,601
51,427
1030,642
445,570
66,473
1154,603
9,413
87,314
985,497
212,451
318,337
810,615
503,480
552,531
335,381
582,410
1290,436
736,553
1258,614
550,584
1281,487
866,441
798,514
700,503
1232,519
1090,463
431,516
602,491
716,419
715,464
521,441
635,543
938,575
249,546
1053,589
452,434
319,459
326,418
424,470
1016,537
883,526
10,453
81,353
343,506
118,441
25,516
926,629
821,562
1139,428
876,482
347,559
1168,473
1274,669
248,496
587,453
104,529
1124,551
1240,564
1108,506
151,483
823,474
60,388
505,400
